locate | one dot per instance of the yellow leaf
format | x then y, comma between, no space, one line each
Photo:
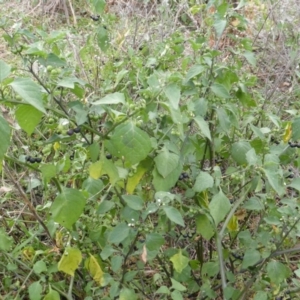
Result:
133,181
96,170
144,255
287,133
70,261
233,224
28,252
95,270
104,167
56,146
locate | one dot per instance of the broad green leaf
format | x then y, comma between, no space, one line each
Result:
70,261
296,129
119,233
165,184
194,71
129,142
52,295
172,92
239,151
174,215
251,157
162,290
99,6
275,181
204,226
261,296
94,269
224,120
177,286
93,186
253,204
127,294
203,126
176,295
295,184
102,38
116,263
5,138
28,117
4,70
249,55
179,261
39,267
105,206
251,257
69,82
35,291
203,182
277,272
114,98
219,26
94,151
220,90
30,92
48,171
154,241
166,162
134,202
68,207
219,207
5,241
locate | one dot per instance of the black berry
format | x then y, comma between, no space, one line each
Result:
32,160
77,130
38,159
70,132
108,156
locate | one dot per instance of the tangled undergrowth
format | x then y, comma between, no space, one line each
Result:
150,151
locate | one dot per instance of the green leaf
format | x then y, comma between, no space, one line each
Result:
35,291
119,233
179,261
166,162
204,226
114,98
69,82
296,129
70,261
52,295
134,202
127,294
177,286
165,184
203,182
68,207
39,267
5,241
251,157
219,26
105,206
5,138
194,71
174,215
295,184
220,91
251,257
239,151
261,296
30,92
219,207
102,167
172,92
28,117
102,38
249,55
4,70
203,126
253,204
129,142
99,6
277,272
48,171
224,120
154,241
275,181
176,295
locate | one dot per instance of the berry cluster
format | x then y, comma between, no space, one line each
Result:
294,145
72,131
33,160
183,175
